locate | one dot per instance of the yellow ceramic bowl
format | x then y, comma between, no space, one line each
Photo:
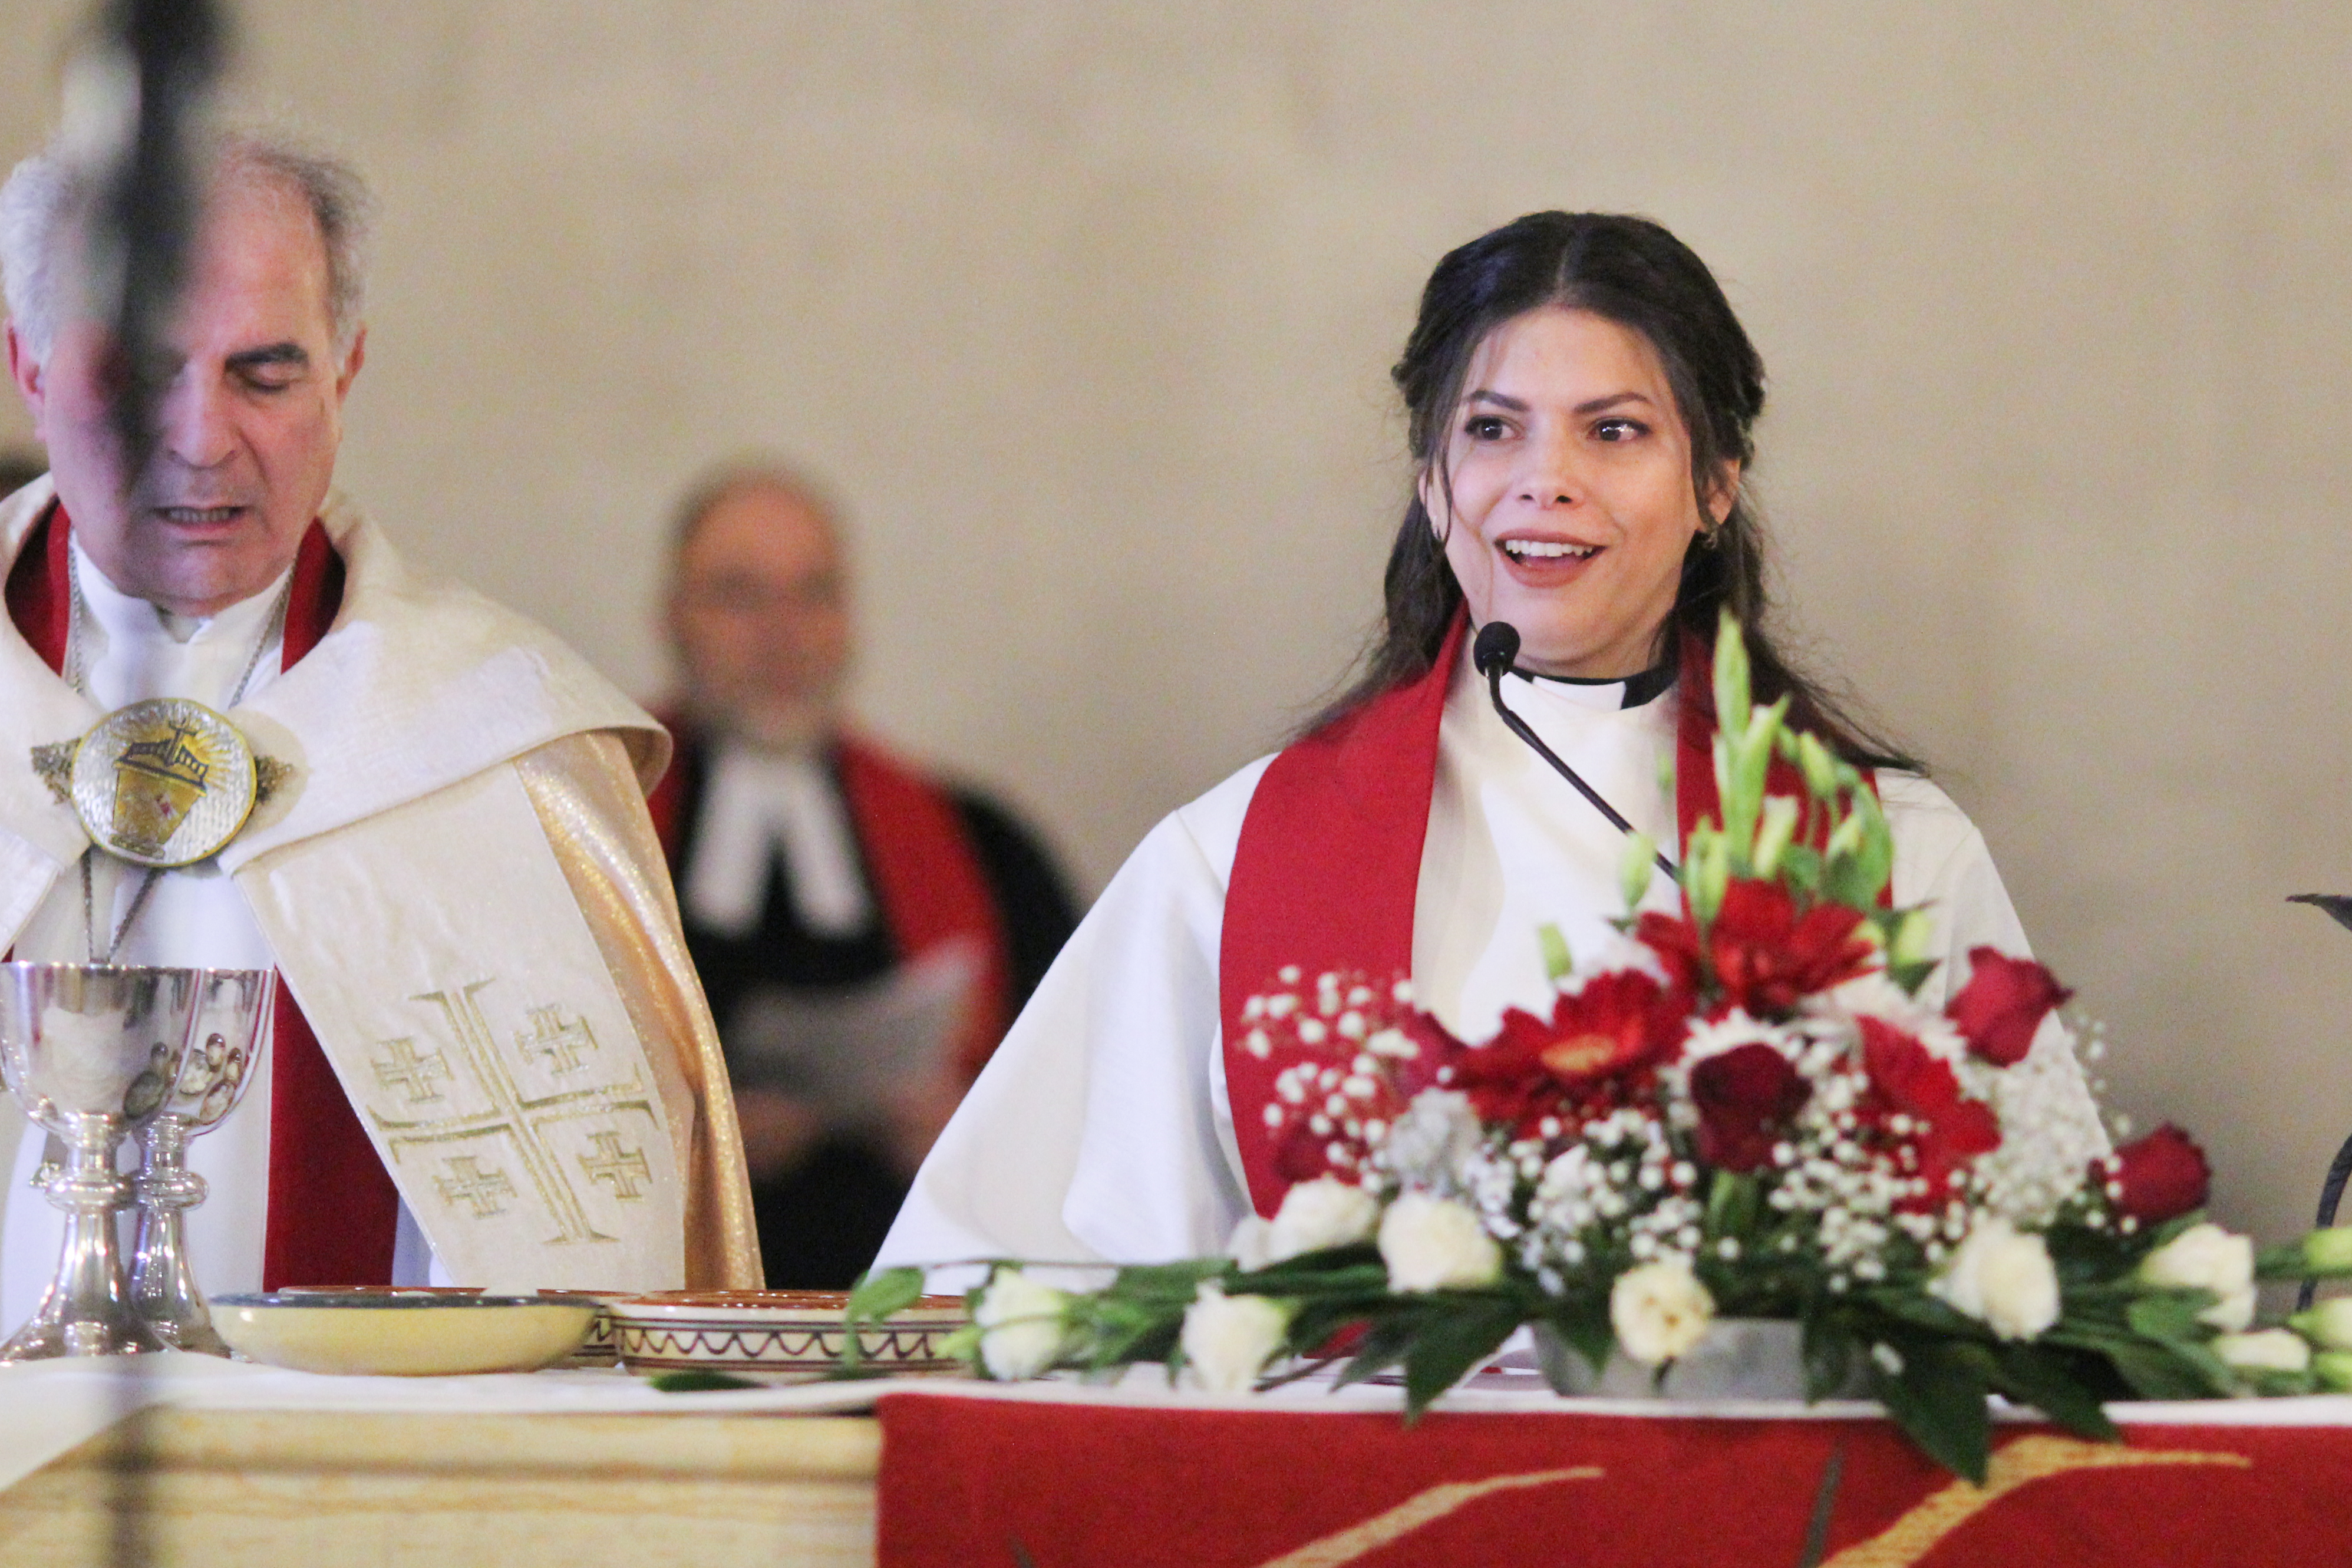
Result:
779,1336
404,1334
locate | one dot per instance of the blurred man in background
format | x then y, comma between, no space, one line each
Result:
866,932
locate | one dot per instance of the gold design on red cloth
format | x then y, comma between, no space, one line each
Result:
1360,1540
2028,1459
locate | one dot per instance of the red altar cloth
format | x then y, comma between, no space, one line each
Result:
977,1481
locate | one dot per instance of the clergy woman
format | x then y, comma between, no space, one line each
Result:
1580,398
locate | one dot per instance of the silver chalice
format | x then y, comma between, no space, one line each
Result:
92,1053
224,1047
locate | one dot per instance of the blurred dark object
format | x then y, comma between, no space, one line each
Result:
137,113
19,466
2338,906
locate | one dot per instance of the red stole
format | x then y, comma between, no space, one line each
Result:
928,878
332,1208
1329,864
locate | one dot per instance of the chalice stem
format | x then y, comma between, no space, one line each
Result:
162,1286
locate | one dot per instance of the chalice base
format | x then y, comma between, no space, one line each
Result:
86,1310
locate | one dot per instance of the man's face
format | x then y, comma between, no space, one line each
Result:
247,427
760,615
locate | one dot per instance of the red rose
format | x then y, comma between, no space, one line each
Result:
2003,1003
2160,1175
1745,1096
1947,1128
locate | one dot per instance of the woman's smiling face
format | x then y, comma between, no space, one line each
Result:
1568,470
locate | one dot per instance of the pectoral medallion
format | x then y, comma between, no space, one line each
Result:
165,782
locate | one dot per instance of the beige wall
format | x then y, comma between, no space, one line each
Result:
1087,307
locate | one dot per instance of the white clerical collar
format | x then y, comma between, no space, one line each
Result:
1633,692
137,646
758,803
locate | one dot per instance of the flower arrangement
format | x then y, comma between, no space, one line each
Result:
1742,1109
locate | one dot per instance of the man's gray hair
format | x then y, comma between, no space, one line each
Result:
47,195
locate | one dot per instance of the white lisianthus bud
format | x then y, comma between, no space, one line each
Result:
1023,1323
2327,1324
1325,1212
1773,834
1228,1340
2264,1350
2002,1277
1659,1311
2328,1252
1252,1244
1435,1244
2207,1258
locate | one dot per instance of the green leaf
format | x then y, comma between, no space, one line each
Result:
2169,1315
1731,1205
1801,869
876,1296
1385,1346
699,1382
1165,1282
1446,1350
1829,1352
1586,1330
2157,1372
2045,1379
1938,1400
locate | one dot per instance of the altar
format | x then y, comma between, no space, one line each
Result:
223,1464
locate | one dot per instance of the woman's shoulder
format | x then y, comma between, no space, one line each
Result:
1212,822
1929,824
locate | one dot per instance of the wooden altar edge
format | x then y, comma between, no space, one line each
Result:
266,1489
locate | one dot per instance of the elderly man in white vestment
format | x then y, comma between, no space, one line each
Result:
491,1063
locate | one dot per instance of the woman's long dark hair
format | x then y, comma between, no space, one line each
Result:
1632,272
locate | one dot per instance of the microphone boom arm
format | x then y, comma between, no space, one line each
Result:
1495,660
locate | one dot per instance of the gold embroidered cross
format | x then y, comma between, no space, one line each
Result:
621,1169
411,1071
469,1182
557,1040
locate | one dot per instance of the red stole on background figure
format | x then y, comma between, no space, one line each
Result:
332,1208
928,878
1329,864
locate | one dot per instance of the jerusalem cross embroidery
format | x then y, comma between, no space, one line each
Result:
506,1139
